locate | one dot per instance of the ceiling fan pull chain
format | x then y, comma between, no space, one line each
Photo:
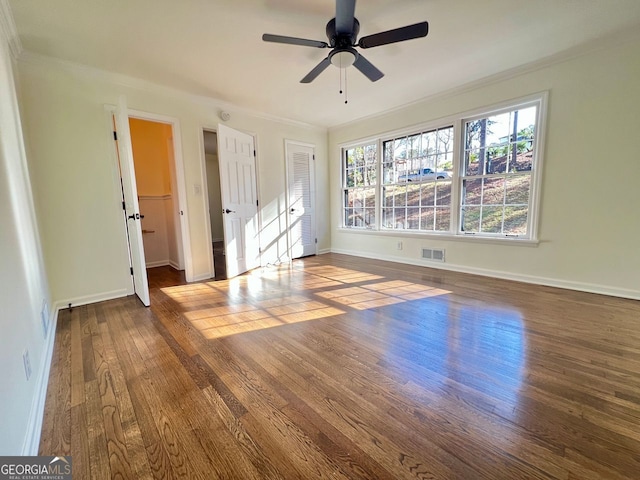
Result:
340,73
345,87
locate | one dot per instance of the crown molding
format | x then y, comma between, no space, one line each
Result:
84,71
619,38
8,29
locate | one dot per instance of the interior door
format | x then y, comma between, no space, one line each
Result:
236,157
301,200
132,210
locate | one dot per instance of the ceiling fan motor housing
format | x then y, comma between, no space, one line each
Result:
342,40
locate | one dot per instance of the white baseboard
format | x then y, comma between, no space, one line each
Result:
324,250
174,265
34,426
158,263
518,277
203,276
87,299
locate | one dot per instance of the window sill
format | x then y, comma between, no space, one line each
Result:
525,242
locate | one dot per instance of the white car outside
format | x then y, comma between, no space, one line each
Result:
422,175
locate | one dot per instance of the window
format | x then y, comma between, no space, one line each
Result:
496,172
417,171
475,175
359,182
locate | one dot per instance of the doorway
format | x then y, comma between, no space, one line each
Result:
236,204
150,168
212,171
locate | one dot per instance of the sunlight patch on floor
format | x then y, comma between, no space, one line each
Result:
267,297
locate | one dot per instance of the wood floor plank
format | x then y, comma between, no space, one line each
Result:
342,367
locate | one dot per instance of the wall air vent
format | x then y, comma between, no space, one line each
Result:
433,254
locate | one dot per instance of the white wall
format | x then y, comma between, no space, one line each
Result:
590,222
74,173
23,286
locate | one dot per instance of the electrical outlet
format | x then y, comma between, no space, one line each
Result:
27,363
399,246
44,315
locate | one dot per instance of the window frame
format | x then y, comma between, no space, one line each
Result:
458,121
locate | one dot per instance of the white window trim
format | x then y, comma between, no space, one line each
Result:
539,99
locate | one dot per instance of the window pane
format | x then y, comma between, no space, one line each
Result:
387,147
492,219
518,189
526,121
428,192
472,162
400,149
426,219
523,152
348,217
444,162
429,140
472,191
445,140
413,195
413,218
493,192
497,158
400,220
443,195
498,128
387,217
369,197
471,219
370,217
387,196
443,219
515,220
400,197
472,134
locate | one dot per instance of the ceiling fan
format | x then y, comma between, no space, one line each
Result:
342,32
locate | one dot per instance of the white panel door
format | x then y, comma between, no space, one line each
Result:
301,200
237,161
132,210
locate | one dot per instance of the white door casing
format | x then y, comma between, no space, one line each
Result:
132,210
236,156
301,199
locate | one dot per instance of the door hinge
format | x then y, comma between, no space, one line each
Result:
316,240
124,206
254,153
257,203
314,156
115,135
131,270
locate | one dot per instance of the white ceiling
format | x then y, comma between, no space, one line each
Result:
214,47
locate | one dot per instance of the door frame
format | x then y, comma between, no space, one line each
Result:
288,142
205,190
178,168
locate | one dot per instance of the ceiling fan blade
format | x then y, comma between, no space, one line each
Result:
267,37
311,76
345,16
396,35
367,68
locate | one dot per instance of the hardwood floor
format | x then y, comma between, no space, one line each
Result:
341,367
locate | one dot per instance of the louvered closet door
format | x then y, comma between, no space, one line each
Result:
301,199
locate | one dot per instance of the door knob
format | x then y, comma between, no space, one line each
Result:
135,216
292,210
228,211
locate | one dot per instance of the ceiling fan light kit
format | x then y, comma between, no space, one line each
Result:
342,33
